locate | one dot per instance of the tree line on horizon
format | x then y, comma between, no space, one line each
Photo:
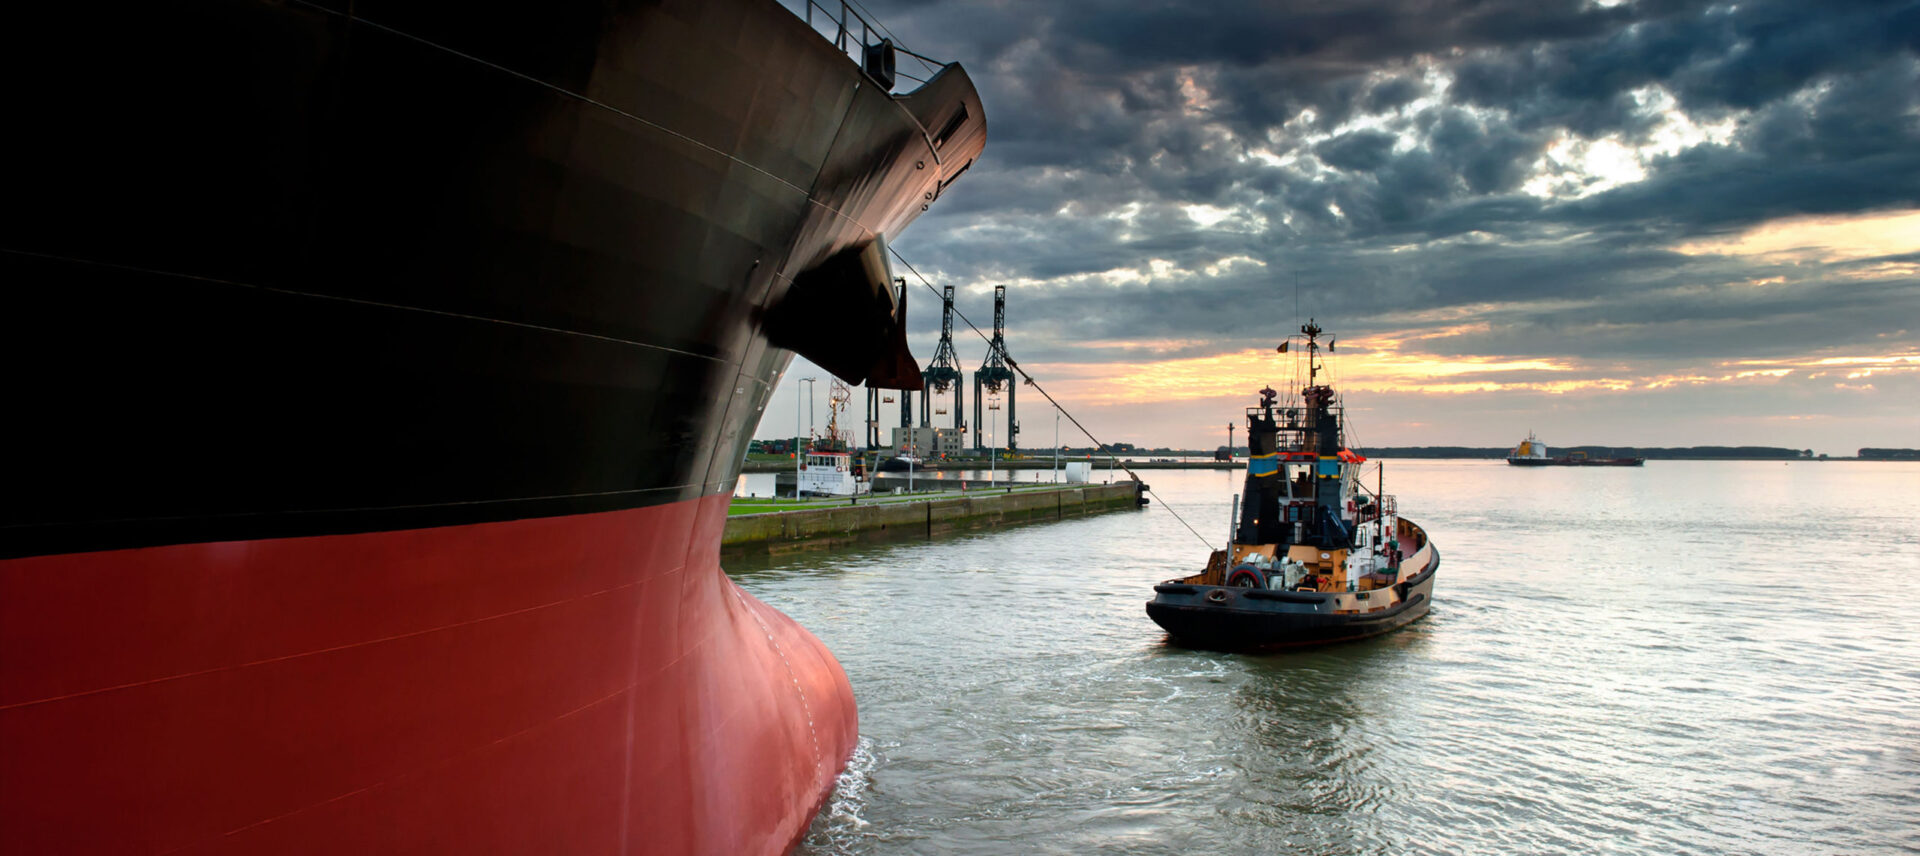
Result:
1768,453
1652,453
1648,452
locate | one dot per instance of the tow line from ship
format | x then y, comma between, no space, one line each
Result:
1112,460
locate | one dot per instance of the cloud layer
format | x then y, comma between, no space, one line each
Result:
1621,200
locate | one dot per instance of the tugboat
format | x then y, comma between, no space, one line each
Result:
1316,556
1532,453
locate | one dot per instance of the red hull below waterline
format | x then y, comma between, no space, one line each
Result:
581,684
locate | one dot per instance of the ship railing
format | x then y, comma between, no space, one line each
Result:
853,30
1285,418
1292,418
1387,505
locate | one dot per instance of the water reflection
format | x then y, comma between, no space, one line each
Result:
1311,776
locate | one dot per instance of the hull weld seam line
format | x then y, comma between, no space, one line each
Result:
775,645
318,651
803,192
567,92
706,488
365,302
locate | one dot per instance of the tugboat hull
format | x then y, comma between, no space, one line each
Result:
1247,620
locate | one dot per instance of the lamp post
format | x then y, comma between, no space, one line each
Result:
798,459
993,451
1056,444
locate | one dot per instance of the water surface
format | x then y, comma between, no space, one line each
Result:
1693,657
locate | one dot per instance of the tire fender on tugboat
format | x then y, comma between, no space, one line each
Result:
1247,576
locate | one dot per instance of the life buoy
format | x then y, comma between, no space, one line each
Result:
1247,576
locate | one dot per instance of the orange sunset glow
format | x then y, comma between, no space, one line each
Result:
1379,365
1822,239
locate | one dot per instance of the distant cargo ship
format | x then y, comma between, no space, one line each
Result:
379,376
1532,453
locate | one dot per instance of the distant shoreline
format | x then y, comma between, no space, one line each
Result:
785,465
1043,457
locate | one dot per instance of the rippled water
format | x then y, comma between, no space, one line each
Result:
1690,658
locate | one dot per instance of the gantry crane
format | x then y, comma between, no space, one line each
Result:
876,398
943,371
994,374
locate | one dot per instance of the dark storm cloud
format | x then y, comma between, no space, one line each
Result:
1360,151
1490,158
1382,150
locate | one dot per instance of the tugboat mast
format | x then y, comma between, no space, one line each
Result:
1313,351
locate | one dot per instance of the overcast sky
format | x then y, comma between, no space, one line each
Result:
1632,223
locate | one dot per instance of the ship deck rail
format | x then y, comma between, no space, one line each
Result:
841,21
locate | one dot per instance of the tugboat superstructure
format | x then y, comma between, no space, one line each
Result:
1317,554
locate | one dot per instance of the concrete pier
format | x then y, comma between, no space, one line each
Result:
890,517
1100,465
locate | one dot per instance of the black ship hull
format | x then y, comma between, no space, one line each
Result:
381,374
290,270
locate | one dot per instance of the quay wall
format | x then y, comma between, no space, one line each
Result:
819,528
1099,465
